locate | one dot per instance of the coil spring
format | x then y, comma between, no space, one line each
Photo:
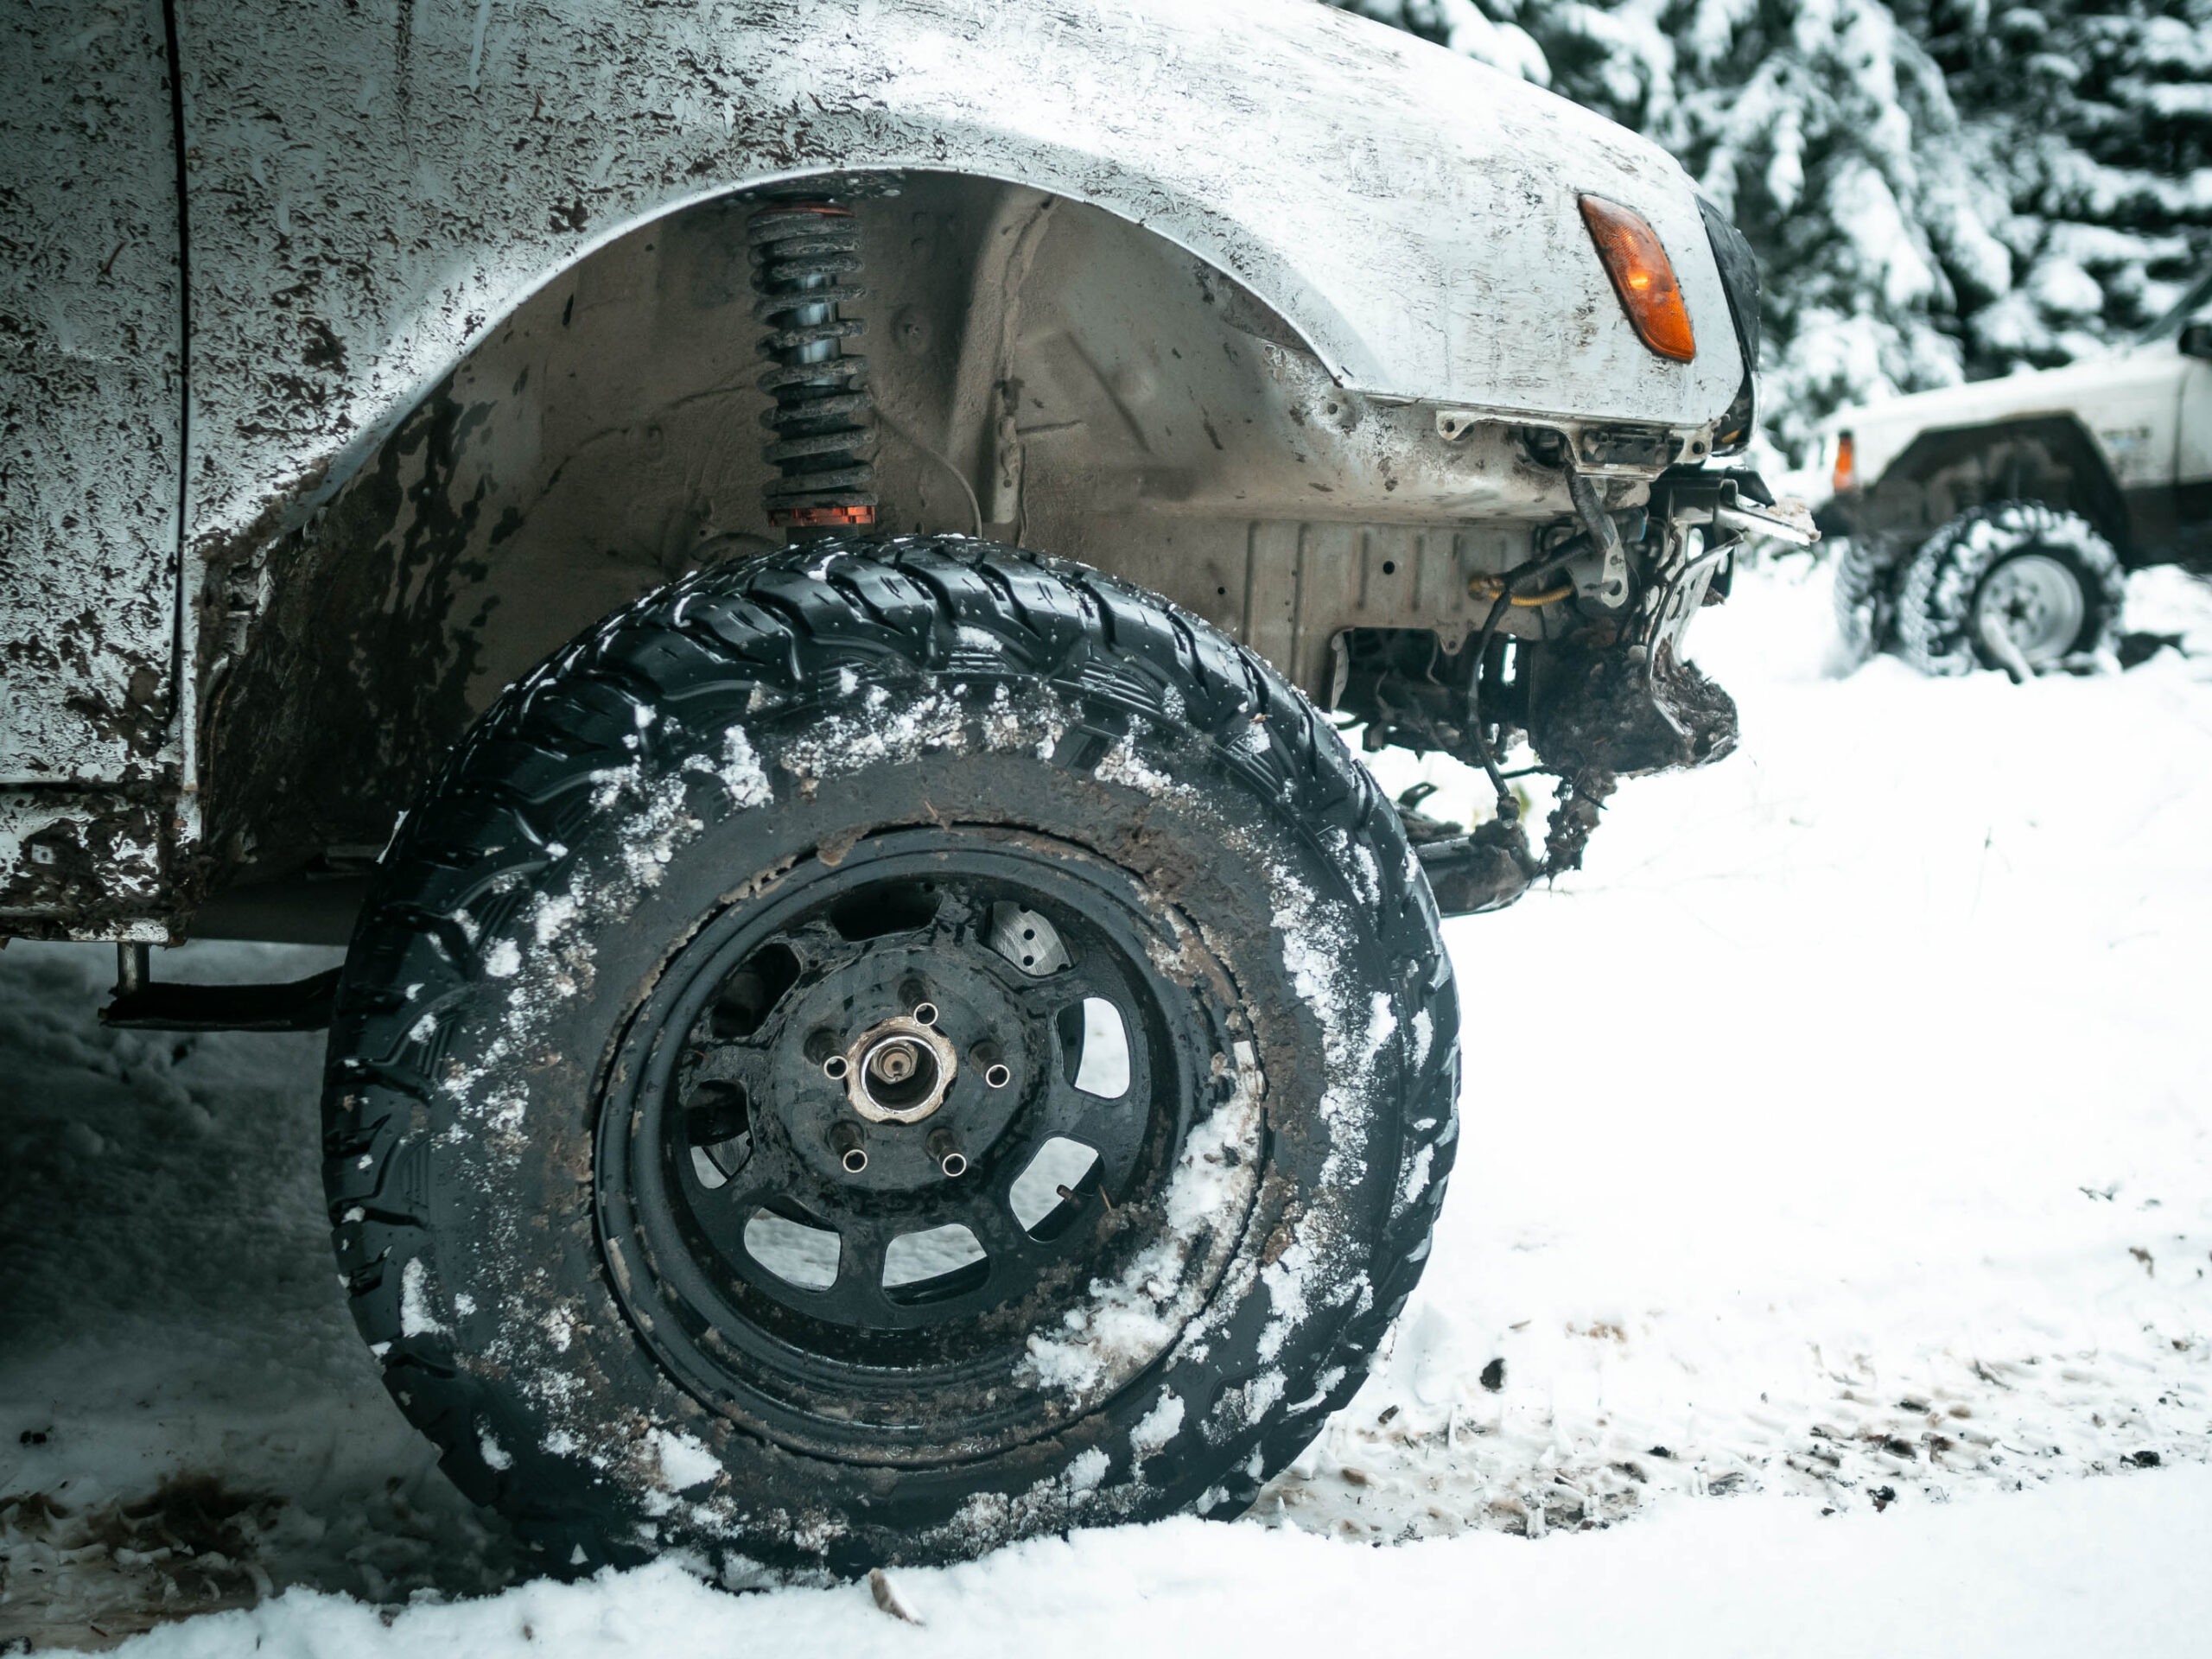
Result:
804,255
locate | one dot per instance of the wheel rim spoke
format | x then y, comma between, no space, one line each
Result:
722,1219
858,1293
1000,1233
819,945
1112,1128
1047,996
738,1063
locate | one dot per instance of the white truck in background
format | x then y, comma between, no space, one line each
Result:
1992,525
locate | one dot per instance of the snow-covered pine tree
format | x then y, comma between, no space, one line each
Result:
1828,133
2096,121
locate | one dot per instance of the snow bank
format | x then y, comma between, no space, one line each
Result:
1877,1167
2086,1567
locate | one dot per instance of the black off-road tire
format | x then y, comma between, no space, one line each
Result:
1956,567
511,1027
1865,595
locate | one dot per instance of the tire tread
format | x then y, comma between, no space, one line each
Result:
774,623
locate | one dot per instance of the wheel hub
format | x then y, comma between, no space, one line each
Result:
2036,601
899,1072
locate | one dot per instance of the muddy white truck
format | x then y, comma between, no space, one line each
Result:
1992,525
857,1041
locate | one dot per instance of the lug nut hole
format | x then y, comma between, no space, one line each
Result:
835,1068
925,1013
845,1141
950,1158
998,1076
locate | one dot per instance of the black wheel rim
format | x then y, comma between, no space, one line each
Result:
775,1182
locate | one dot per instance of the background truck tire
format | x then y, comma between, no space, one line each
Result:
2050,576
1865,595
538,1079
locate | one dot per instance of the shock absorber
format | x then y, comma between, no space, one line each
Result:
806,255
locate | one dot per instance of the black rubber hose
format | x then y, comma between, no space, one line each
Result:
1508,810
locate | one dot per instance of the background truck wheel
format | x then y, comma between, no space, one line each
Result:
2017,585
1865,595
882,1050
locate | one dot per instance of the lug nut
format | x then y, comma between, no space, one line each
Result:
950,1159
998,1076
845,1142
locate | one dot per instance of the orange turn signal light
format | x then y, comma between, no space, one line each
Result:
1846,464
1641,277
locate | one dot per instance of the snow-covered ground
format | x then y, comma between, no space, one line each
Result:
1835,1193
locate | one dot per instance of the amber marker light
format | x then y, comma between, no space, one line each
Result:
1641,277
1847,465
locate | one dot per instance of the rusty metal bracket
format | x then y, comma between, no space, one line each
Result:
1486,870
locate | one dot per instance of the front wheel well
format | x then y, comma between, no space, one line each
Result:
1948,471
606,437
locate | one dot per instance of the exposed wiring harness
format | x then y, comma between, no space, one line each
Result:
1508,808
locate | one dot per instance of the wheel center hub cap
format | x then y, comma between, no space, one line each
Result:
2038,602
900,1071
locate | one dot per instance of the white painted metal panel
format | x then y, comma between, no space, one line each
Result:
92,394
373,189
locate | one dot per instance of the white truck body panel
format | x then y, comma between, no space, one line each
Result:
2130,404
369,192
92,395
1412,214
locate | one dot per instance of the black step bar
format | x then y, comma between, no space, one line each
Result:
141,1005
